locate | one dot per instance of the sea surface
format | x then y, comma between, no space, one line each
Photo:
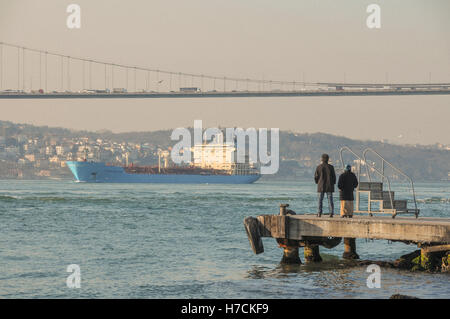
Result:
183,241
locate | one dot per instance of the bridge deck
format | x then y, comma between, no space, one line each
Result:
421,230
241,94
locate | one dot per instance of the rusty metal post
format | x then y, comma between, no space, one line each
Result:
283,209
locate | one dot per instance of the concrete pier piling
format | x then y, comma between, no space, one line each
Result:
350,249
311,253
290,255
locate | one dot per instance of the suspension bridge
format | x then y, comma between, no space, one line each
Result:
28,73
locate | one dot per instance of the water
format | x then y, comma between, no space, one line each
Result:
182,241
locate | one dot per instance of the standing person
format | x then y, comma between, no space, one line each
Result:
325,179
347,184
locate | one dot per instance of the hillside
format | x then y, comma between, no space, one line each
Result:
299,153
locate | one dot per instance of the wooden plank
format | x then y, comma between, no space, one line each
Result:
364,186
275,226
370,186
375,186
254,237
381,195
398,204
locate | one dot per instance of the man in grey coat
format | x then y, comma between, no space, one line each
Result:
325,178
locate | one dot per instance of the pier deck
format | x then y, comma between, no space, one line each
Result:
296,227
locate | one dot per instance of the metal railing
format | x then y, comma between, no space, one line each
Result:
383,162
362,161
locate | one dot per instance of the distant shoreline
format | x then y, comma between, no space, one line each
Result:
262,179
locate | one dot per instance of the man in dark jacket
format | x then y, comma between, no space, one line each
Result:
347,184
325,179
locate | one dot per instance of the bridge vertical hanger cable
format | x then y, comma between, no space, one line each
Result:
40,70
135,88
126,71
23,69
62,73
18,68
90,75
68,73
106,80
46,71
1,66
157,81
112,77
83,75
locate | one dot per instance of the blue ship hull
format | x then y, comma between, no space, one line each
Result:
92,172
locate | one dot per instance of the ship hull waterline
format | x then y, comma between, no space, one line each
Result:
92,172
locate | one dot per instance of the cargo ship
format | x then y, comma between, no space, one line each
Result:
212,165
95,172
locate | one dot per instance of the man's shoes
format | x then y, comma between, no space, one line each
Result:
331,215
319,214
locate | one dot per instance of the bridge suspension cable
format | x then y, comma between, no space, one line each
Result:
88,75
71,59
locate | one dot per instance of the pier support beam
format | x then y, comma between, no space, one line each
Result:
350,249
311,253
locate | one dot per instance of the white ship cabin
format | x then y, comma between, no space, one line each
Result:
221,155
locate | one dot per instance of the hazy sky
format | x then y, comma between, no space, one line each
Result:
288,39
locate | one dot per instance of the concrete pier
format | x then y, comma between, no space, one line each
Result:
409,229
431,235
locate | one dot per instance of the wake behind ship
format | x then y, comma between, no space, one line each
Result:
95,172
